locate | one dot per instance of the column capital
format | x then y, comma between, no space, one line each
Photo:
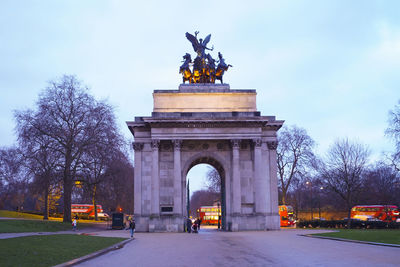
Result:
137,146
235,143
257,142
177,143
272,145
155,144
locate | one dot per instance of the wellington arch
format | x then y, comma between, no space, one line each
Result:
200,123
205,122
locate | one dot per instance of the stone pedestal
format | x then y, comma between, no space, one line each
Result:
204,98
205,124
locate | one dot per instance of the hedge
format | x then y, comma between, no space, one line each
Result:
355,224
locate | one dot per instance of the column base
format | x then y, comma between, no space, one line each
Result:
164,223
256,222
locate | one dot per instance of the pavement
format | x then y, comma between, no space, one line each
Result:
253,248
210,247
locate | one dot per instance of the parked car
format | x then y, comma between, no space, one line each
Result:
103,216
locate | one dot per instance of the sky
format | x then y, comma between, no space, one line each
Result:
331,67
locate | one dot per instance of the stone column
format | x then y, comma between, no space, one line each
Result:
272,145
138,178
260,185
155,184
236,196
177,177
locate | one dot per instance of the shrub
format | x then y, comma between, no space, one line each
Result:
355,224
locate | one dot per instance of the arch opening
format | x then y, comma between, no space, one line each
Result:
205,199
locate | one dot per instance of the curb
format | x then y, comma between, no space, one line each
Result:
95,254
353,241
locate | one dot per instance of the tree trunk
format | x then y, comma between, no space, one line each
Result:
67,200
67,179
46,204
94,203
283,197
348,216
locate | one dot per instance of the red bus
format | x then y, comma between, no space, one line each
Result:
286,215
209,214
87,210
385,213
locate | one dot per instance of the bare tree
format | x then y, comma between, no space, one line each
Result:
294,155
393,131
117,189
13,178
40,157
381,185
343,169
202,198
213,180
98,156
65,115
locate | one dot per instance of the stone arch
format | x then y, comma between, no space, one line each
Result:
218,162
205,124
222,166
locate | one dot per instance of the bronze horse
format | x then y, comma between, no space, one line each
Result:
185,70
222,67
210,71
199,70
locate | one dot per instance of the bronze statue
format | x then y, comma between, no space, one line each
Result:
210,70
222,67
199,46
204,70
185,70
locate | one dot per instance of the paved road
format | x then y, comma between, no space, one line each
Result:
212,248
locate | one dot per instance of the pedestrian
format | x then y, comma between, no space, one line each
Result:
189,225
74,225
194,227
127,222
132,226
198,222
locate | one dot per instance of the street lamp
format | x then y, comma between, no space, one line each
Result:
319,201
188,199
219,215
309,184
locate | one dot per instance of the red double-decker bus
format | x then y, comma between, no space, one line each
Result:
286,215
386,213
209,214
87,210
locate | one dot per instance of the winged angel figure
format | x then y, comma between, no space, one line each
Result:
200,45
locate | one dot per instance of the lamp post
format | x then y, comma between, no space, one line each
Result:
319,201
188,200
309,184
219,215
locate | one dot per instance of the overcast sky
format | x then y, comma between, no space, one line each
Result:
331,67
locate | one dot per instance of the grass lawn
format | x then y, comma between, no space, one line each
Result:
21,215
21,226
372,235
50,250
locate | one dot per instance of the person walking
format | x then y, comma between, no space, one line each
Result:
189,225
132,226
198,222
74,225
